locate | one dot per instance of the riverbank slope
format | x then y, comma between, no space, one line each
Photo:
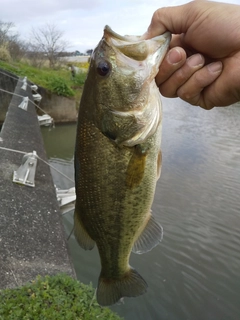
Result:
32,238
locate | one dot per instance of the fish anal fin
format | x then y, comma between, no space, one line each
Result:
136,167
149,238
80,233
110,291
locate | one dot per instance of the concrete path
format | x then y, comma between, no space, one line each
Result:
32,238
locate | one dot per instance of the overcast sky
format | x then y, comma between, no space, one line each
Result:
82,21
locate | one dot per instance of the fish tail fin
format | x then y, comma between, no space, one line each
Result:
111,291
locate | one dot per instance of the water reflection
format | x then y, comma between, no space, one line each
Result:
59,144
194,273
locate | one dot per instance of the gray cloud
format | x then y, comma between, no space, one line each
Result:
17,10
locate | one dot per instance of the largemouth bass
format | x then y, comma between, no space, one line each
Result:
118,159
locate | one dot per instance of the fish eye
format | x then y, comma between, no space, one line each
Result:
103,68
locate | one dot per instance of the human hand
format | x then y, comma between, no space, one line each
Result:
208,33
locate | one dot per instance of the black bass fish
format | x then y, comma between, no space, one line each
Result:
118,159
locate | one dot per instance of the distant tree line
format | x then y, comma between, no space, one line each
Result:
89,51
45,44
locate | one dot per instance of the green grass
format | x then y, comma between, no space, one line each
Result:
57,81
52,298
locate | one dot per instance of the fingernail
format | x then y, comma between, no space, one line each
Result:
195,60
215,67
174,56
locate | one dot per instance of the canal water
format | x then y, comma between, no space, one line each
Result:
194,274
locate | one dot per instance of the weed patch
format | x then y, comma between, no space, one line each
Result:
57,298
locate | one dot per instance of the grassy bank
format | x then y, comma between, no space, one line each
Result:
57,81
57,298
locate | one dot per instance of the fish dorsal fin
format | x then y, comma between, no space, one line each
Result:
81,235
150,237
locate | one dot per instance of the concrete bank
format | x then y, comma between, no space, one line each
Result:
60,108
8,82
32,238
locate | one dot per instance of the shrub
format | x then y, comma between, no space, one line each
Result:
4,53
79,79
60,87
57,81
52,298
82,65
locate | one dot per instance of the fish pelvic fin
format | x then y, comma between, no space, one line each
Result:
110,291
80,233
150,237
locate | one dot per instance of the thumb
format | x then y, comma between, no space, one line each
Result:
174,19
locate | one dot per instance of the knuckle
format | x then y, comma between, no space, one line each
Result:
156,17
200,79
158,14
186,95
181,75
195,99
166,92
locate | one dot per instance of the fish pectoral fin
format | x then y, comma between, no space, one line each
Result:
136,167
110,291
150,237
81,235
159,164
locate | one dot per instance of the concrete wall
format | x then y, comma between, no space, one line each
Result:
32,238
61,109
7,82
81,59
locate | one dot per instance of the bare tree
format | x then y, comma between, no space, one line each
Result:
48,40
10,41
5,31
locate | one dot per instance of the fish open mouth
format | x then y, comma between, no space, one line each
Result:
137,48
108,31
